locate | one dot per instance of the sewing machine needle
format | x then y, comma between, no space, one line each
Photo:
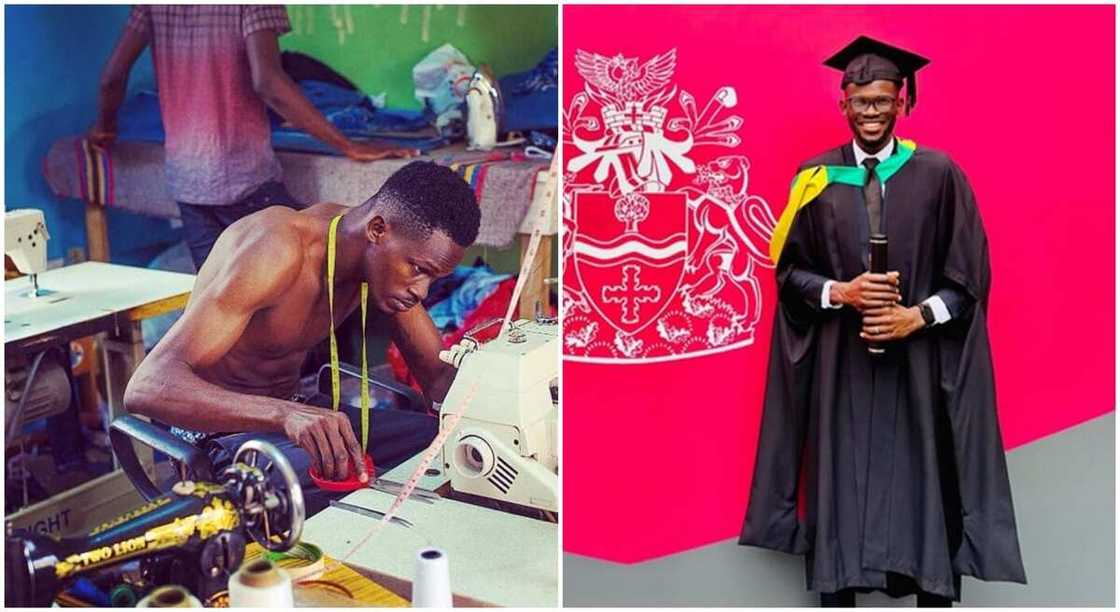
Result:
341,505
394,488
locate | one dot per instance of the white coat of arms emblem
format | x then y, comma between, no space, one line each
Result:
662,239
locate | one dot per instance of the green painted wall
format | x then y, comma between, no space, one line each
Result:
372,47
377,46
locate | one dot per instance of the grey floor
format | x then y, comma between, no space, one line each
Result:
1064,492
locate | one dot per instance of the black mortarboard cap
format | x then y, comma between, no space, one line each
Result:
866,59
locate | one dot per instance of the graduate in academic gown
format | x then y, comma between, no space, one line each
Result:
886,471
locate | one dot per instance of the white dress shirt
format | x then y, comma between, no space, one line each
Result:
940,311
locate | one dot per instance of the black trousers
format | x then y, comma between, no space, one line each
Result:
202,224
847,599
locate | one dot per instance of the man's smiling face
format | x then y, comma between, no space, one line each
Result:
869,116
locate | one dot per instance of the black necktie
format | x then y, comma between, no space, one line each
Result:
873,195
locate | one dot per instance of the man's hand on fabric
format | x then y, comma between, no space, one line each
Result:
102,136
867,291
361,152
327,437
888,323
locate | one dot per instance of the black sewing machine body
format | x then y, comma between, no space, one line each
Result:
194,536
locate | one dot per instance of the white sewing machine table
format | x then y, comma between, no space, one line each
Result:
91,294
496,558
90,298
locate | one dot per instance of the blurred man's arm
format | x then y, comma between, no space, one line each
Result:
114,77
418,339
280,92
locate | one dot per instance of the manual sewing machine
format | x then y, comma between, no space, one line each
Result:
194,535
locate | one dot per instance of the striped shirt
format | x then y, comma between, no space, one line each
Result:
218,141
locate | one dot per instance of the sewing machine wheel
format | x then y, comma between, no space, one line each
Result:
272,505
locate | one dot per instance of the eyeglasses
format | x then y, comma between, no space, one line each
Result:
881,103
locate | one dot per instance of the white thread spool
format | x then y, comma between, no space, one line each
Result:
171,596
431,586
260,584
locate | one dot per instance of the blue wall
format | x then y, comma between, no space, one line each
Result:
53,56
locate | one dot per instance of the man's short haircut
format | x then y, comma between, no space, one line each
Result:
424,196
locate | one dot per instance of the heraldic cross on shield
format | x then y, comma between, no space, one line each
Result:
661,243
631,272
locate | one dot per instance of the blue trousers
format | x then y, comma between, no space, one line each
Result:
202,224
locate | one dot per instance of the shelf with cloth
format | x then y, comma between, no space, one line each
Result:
511,188
351,112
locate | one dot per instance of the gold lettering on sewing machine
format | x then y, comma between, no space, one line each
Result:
128,516
219,516
81,561
130,545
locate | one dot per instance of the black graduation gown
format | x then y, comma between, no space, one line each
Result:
898,459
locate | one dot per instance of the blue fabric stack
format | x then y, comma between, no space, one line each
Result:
350,111
465,289
530,97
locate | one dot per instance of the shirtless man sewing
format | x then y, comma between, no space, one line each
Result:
260,304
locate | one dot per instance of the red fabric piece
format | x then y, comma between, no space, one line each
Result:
493,307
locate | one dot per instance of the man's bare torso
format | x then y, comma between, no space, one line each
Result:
267,357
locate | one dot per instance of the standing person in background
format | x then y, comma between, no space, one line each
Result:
217,67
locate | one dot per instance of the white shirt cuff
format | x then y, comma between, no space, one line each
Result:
825,302
940,311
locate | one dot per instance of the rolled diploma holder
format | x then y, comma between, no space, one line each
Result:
878,245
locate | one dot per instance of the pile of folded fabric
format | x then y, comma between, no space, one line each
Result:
529,106
354,113
530,97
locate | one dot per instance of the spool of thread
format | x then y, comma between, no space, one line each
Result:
122,596
260,584
877,265
302,562
431,586
170,596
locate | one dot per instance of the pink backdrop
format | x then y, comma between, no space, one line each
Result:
658,457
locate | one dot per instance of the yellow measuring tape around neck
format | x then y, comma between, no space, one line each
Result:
336,392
